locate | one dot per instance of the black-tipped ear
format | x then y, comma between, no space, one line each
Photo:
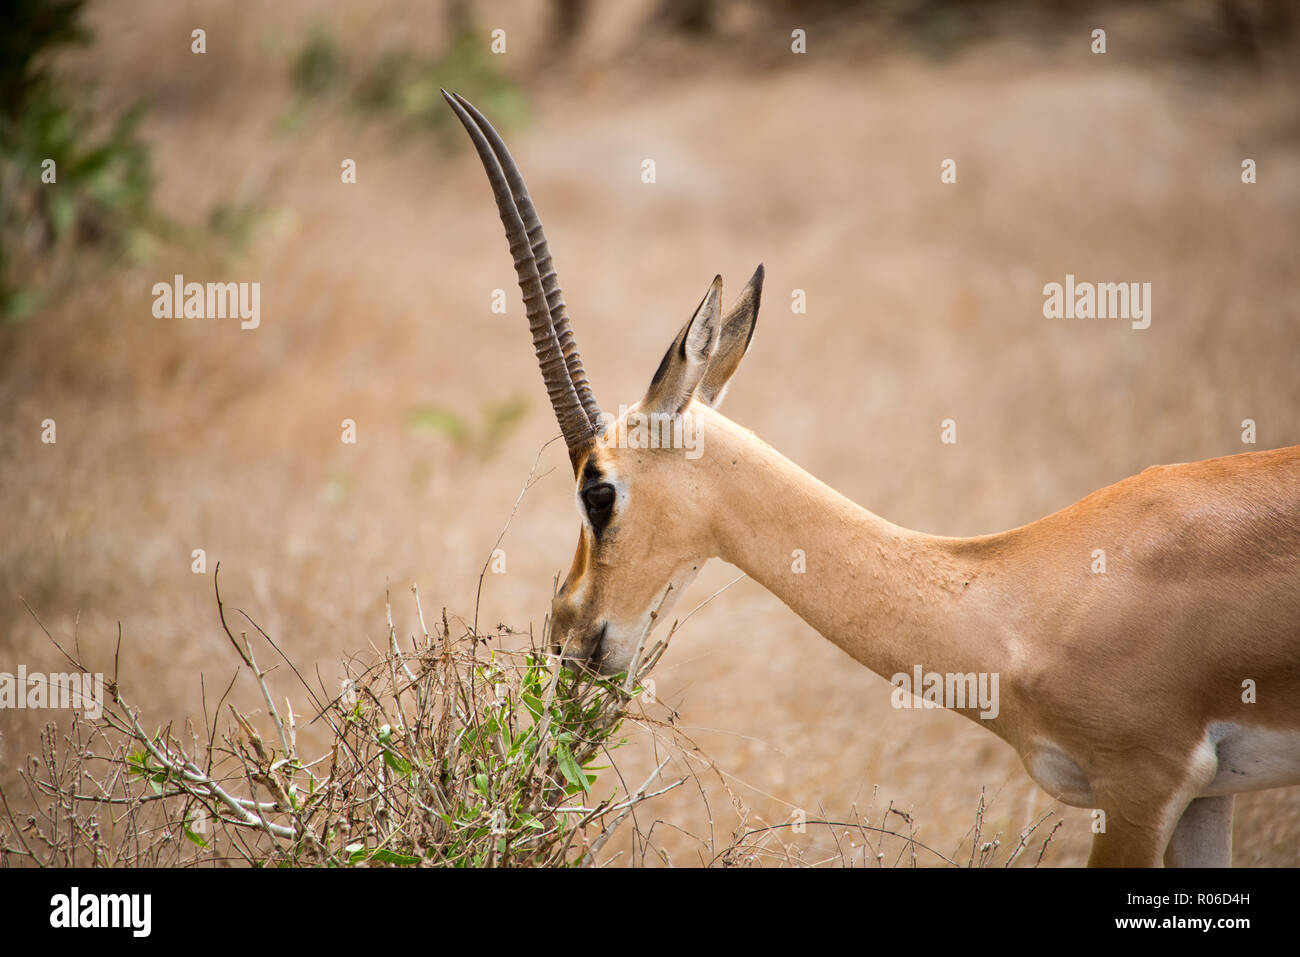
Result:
733,341
686,360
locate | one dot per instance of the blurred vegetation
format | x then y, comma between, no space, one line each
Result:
234,223
96,195
403,87
1252,32
73,182
318,67
498,419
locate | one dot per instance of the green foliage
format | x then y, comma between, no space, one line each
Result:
101,194
318,67
435,420
466,762
472,763
407,87
497,421
529,742
447,754
140,765
29,29
403,87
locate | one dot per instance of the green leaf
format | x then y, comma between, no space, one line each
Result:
396,761
194,837
568,766
138,763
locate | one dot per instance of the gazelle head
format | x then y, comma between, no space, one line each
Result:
641,478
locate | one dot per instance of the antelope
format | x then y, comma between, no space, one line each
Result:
1152,693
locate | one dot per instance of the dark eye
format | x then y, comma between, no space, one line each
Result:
598,498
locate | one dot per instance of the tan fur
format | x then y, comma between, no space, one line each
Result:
1123,673
1121,691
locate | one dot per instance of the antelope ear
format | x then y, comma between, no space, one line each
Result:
686,360
733,341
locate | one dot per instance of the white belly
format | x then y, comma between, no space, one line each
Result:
1253,758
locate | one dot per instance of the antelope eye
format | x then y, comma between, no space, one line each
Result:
599,498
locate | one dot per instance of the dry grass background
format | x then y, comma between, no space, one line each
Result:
924,303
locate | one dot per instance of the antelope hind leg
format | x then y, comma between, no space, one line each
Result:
1203,836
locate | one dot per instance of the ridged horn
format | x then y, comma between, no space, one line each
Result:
545,265
557,353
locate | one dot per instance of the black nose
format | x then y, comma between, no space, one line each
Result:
581,654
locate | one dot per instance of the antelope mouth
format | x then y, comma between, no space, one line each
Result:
589,656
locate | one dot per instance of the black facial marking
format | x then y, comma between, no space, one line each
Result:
597,497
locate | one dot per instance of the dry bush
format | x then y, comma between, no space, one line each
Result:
451,753
445,754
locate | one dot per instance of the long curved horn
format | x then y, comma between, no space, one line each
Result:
545,266
562,370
